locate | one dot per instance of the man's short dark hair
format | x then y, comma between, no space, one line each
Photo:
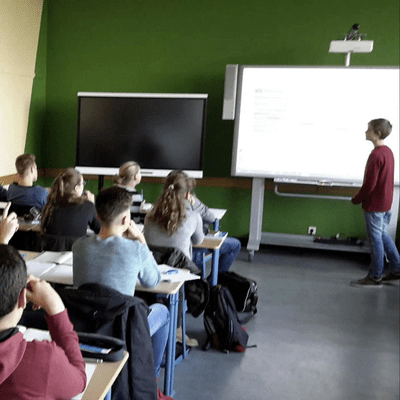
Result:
13,278
112,202
382,127
24,162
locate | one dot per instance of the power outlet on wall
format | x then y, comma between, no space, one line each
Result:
312,230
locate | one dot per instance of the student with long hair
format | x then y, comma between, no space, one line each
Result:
128,177
231,247
171,222
69,210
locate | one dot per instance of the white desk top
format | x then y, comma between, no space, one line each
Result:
218,212
63,273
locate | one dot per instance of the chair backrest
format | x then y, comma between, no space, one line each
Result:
20,210
95,308
46,242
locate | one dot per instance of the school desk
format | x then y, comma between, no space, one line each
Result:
63,274
103,378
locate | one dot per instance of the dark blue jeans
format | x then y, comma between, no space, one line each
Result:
227,254
159,330
381,243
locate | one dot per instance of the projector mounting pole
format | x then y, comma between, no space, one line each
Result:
352,43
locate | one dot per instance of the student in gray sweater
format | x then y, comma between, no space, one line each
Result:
117,257
171,222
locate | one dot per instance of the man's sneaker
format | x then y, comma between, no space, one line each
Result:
390,276
367,282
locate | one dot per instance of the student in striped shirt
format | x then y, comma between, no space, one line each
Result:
128,177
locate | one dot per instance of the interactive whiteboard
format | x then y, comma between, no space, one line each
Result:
309,123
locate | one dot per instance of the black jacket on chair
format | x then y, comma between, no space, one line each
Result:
46,242
99,309
197,292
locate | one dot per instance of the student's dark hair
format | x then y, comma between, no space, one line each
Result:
112,202
61,193
13,278
24,162
170,208
127,172
381,127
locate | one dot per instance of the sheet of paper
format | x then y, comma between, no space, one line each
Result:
38,268
59,274
58,257
171,274
90,368
36,334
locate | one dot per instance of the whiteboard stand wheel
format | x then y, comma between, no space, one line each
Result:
251,255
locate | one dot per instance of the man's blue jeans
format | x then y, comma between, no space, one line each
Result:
227,254
381,243
159,329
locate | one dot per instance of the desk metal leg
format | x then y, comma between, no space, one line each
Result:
171,346
214,267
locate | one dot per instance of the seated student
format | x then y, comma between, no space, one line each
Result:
128,177
3,193
40,370
22,192
69,211
172,222
229,249
117,257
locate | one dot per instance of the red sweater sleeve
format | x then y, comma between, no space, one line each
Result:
370,180
67,372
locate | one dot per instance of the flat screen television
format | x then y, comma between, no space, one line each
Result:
161,132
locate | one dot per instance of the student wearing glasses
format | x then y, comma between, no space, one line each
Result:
69,210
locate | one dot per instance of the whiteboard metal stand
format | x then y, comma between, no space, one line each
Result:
256,216
257,205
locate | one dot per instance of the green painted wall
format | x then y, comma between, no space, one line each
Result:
183,46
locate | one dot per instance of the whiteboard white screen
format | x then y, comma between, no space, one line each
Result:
309,123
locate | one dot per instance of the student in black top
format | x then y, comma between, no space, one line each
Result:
69,210
3,193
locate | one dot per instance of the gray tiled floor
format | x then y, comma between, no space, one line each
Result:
317,337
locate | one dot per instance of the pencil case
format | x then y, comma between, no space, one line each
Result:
101,347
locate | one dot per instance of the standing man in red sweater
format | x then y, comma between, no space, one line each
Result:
376,196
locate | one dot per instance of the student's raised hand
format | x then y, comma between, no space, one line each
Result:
9,225
88,196
42,295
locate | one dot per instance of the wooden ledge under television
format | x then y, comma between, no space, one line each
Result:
223,182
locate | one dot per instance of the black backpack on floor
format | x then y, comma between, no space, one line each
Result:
221,322
243,291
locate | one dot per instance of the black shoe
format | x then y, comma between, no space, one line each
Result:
390,276
367,282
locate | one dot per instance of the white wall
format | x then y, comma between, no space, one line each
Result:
19,32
